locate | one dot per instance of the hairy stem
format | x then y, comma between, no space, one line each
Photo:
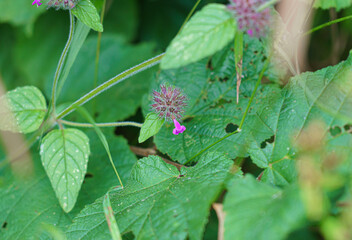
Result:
109,124
243,117
113,81
61,62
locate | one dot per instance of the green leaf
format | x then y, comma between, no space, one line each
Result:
86,12
212,110
27,107
338,4
254,210
324,95
64,155
110,218
151,126
25,207
159,202
207,32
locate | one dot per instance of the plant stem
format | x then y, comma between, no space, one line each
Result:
243,117
109,124
113,81
189,16
61,62
97,54
328,24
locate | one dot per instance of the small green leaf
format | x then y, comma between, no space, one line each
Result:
64,155
207,32
255,210
110,218
27,110
151,126
88,14
159,202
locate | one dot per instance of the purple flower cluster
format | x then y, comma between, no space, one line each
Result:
58,4
248,18
170,104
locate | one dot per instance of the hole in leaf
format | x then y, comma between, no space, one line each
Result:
348,127
230,128
210,65
225,79
88,175
334,131
266,141
4,225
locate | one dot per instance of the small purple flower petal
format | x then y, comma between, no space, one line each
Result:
37,2
178,128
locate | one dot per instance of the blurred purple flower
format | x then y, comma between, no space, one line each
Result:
37,2
248,19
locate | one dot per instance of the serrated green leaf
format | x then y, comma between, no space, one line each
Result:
324,95
159,202
151,126
255,210
27,107
64,155
338,4
207,32
212,110
86,12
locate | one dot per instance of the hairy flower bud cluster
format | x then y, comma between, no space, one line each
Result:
58,4
169,103
62,4
248,18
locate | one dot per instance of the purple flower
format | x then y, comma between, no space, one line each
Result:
169,103
63,4
178,128
37,2
248,19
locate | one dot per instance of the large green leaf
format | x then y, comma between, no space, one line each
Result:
338,4
159,202
212,109
86,12
64,156
207,32
22,110
324,95
116,56
26,207
255,210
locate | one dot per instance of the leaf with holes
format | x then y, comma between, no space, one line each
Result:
207,32
64,155
159,202
212,109
22,110
151,126
86,12
274,212
324,95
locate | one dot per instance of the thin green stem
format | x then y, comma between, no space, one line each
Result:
97,54
328,24
243,117
189,16
113,81
109,124
61,61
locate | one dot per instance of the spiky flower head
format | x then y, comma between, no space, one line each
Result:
169,103
62,4
254,22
